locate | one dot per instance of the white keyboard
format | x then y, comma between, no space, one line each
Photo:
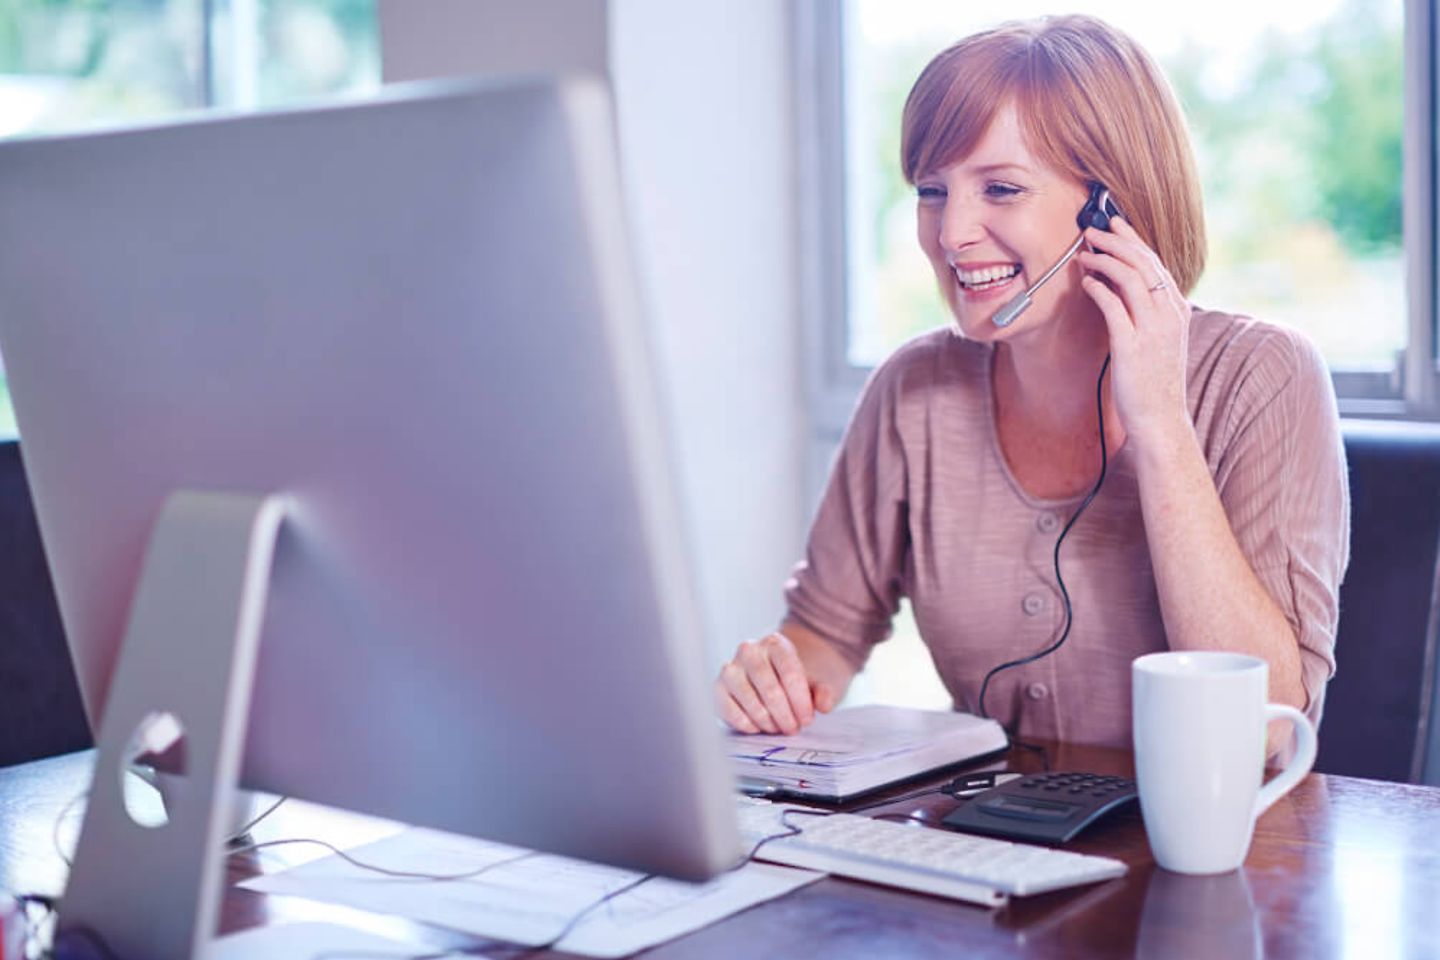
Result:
929,860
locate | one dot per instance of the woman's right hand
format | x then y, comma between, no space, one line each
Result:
766,688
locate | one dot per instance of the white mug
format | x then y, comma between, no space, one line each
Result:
1199,722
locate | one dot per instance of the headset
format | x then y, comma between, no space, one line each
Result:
1096,213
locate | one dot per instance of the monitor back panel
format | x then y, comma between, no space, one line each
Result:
418,318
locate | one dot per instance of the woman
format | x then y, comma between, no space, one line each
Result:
1222,520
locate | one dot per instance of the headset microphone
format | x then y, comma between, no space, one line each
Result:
1096,213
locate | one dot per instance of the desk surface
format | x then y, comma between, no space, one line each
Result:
1339,868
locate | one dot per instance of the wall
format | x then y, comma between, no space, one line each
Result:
702,97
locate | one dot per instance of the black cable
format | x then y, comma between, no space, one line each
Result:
929,791
1034,748
1064,594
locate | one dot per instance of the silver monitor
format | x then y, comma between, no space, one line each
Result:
416,320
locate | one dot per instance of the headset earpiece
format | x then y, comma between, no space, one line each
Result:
1098,209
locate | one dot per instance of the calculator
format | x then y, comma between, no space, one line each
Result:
1043,807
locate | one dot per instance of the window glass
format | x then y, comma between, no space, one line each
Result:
273,52
1297,121
67,63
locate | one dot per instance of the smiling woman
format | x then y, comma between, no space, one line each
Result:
1201,447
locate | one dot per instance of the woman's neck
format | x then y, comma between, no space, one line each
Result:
1047,377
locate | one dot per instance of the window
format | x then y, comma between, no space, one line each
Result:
1314,138
70,64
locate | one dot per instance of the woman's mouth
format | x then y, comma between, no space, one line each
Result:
984,279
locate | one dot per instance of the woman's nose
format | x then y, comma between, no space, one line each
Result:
961,225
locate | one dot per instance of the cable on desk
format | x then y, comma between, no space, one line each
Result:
791,830
575,920
525,951
239,834
916,795
65,812
402,874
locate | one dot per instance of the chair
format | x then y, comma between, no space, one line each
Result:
40,709
1380,711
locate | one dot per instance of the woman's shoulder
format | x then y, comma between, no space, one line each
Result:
1238,347
939,356
1238,364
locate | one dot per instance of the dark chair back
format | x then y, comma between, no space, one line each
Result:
1378,708
40,709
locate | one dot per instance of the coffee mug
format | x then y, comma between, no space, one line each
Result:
1199,720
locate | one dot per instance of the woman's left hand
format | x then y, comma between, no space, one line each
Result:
1149,323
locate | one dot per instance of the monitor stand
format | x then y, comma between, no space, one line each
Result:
153,892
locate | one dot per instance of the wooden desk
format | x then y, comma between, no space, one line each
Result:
1339,868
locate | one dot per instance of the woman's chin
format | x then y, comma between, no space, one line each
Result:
975,325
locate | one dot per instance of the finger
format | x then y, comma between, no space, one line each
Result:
1122,249
737,683
755,658
1117,318
823,696
1126,244
792,676
731,712
1126,280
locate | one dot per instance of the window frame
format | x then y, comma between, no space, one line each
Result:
1411,391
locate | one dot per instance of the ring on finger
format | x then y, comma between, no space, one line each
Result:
1158,286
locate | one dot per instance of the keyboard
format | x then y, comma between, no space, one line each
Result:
979,870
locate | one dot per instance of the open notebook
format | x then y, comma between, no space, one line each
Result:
859,749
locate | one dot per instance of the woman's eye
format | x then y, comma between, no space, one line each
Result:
929,193
1001,191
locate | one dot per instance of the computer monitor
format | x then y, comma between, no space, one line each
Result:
415,319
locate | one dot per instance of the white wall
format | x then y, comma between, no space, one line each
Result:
703,98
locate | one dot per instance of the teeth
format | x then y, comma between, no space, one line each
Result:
973,278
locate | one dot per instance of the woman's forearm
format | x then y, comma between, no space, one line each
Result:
1210,598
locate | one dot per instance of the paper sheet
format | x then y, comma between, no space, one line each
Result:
531,899
309,941
855,736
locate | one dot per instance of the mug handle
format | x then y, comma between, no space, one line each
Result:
1299,764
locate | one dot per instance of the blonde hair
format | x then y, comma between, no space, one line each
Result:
1091,102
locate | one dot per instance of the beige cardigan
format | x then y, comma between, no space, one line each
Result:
921,503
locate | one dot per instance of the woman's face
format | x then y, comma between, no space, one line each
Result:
993,223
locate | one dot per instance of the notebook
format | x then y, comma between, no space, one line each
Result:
859,749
